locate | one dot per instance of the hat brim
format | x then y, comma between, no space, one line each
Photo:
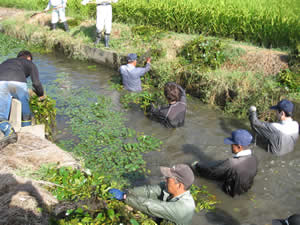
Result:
278,222
274,107
229,141
166,171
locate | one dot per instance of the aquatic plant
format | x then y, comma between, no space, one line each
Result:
84,198
44,113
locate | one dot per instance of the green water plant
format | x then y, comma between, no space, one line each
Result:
44,113
83,198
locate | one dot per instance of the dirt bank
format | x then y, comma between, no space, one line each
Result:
24,200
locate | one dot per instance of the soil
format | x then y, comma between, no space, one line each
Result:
24,200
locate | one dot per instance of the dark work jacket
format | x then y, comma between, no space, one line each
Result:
19,69
237,174
171,116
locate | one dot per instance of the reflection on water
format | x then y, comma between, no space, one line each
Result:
276,189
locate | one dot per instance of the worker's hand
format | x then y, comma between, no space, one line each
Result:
252,108
84,2
117,194
148,60
42,98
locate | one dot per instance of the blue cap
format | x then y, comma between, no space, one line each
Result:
239,137
131,57
284,105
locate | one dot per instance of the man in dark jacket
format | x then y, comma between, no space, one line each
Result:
171,200
13,75
238,172
291,220
172,115
281,136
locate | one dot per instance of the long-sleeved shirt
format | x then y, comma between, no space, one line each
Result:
237,173
131,76
156,202
172,115
18,69
56,3
281,137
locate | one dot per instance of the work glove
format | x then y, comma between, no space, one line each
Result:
116,193
84,2
252,108
65,5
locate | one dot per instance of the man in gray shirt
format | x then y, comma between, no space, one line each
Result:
131,75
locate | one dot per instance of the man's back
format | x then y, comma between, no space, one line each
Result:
240,176
131,76
281,136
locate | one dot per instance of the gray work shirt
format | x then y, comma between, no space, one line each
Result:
131,76
155,201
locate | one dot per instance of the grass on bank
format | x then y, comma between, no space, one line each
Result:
266,23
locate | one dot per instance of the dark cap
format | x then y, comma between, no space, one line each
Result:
284,105
292,220
239,137
181,172
131,57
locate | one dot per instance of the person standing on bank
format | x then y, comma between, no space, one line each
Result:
131,75
280,136
238,172
171,200
13,75
103,19
172,115
58,13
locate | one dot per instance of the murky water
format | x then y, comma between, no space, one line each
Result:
276,189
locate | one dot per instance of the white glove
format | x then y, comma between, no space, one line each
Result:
252,108
84,2
65,5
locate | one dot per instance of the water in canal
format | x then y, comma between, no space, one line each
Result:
276,189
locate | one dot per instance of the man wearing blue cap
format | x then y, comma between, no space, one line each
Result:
280,136
131,75
238,172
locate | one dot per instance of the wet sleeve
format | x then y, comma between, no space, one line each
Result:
155,207
159,114
34,75
142,70
147,191
214,170
265,130
183,95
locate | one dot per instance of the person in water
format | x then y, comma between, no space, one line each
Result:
236,173
170,200
172,115
281,136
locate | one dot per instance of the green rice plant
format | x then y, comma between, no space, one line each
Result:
267,23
